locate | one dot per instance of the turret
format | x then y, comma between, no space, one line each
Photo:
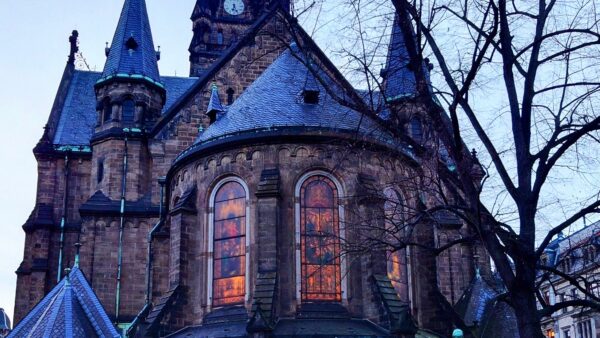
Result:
130,98
130,93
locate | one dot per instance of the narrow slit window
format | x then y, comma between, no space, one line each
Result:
107,111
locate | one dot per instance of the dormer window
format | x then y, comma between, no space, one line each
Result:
311,96
131,44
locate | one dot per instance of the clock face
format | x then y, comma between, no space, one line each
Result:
234,7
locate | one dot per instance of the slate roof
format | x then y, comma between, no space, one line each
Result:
472,304
4,321
215,102
132,51
78,116
275,100
400,82
71,309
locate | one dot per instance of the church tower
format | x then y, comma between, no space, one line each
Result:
217,24
130,97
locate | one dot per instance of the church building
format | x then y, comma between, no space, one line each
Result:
235,202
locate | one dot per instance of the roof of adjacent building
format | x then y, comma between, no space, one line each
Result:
275,100
4,320
71,309
78,115
574,246
132,51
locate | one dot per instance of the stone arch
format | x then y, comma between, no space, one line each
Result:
342,231
214,239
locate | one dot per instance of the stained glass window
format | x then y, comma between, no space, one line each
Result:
229,269
396,264
319,240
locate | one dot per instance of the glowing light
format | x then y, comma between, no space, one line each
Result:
320,246
229,245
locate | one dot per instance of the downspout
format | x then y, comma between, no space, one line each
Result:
63,220
150,258
121,229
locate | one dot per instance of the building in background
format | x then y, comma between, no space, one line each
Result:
4,324
217,204
574,255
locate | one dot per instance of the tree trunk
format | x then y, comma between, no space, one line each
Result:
526,312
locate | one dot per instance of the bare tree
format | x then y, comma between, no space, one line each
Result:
538,63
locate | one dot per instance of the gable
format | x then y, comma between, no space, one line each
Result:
78,117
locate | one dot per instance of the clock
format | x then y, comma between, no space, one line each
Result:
234,7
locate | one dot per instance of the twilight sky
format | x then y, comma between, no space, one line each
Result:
34,48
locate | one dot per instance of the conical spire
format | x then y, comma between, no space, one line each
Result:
214,105
132,53
400,82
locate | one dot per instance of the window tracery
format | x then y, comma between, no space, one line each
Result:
320,240
229,245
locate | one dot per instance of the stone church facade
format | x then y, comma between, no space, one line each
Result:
227,203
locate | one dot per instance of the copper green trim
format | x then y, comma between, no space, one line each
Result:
73,149
130,76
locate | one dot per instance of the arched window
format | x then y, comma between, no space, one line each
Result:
319,265
228,244
128,111
394,223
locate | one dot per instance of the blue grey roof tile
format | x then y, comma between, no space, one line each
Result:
472,304
78,116
275,100
4,320
215,102
132,51
71,309
400,81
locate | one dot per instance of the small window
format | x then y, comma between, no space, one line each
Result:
131,44
230,93
220,37
416,130
311,96
107,111
100,170
128,111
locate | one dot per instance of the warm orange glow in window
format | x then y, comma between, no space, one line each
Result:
229,268
396,264
320,245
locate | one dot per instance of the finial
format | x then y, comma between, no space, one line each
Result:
158,54
106,49
74,47
77,246
214,86
67,272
